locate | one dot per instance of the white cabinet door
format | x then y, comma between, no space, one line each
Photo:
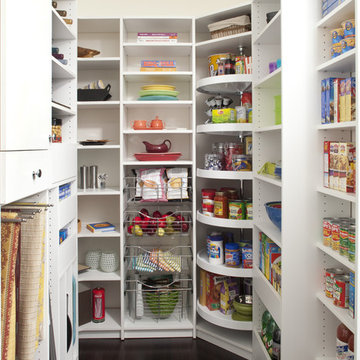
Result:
23,173
25,60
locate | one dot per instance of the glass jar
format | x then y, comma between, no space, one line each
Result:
230,150
221,209
213,162
241,163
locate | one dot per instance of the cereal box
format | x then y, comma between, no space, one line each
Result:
342,100
228,291
248,65
346,167
323,100
247,257
326,163
333,171
329,101
350,105
213,287
336,99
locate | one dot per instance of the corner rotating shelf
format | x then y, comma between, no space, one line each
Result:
226,223
219,319
224,84
230,129
203,262
228,175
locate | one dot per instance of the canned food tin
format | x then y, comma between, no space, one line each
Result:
240,114
327,231
237,210
249,210
341,291
98,302
351,242
344,240
335,234
329,280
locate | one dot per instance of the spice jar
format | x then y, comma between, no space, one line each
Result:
213,162
56,130
221,209
208,196
230,150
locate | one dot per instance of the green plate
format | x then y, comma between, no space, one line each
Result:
158,93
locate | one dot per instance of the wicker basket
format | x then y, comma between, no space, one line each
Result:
228,27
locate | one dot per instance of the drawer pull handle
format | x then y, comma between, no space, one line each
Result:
36,174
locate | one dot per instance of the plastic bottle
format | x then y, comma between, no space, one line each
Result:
266,317
350,354
270,328
342,338
276,346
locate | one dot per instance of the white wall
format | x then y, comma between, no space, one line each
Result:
116,8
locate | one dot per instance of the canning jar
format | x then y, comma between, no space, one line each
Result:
241,163
221,209
230,150
213,162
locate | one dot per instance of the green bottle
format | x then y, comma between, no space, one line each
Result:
266,317
270,328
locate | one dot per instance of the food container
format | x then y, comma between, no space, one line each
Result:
240,114
232,255
230,150
329,280
98,305
327,231
241,162
208,196
249,209
336,50
341,291
223,116
349,28
56,130
335,235
209,238
216,251
351,242
237,210
231,26
337,35
221,205
213,62
213,162
344,240
347,44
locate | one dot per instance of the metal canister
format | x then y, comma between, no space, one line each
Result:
93,177
84,177
98,305
341,291
344,239
351,242
329,280
249,209
335,234
327,230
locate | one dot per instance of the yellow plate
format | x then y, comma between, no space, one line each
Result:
158,87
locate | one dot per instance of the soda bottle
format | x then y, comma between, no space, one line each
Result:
276,346
270,328
266,317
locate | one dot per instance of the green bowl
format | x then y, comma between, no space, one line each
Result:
242,305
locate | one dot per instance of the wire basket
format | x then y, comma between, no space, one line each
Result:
159,301
177,223
231,26
138,191
176,259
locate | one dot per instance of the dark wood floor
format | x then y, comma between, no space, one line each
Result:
152,349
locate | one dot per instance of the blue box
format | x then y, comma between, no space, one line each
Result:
323,101
331,7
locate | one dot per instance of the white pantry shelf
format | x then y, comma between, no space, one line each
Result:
149,323
267,294
271,34
164,131
224,44
344,63
259,347
219,319
224,84
96,275
338,194
340,313
230,129
335,255
228,175
270,128
226,223
158,163
271,81
89,105
157,76
156,104
269,179
348,125
346,10
61,71
85,233
270,230
99,63
202,261
111,323
97,192
158,50
59,110
98,147
60,30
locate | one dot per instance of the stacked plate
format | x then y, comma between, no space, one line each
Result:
158,93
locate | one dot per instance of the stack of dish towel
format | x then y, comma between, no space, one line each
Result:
158,92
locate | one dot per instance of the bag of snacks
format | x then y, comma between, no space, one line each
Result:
151,184
177,186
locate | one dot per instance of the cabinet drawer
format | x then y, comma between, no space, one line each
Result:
23,173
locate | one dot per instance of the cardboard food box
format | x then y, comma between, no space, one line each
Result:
326,163
350,104
342,100
346,164
213,287
336,106
334,168
223,115
323,101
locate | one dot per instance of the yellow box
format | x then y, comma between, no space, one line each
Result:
223,115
